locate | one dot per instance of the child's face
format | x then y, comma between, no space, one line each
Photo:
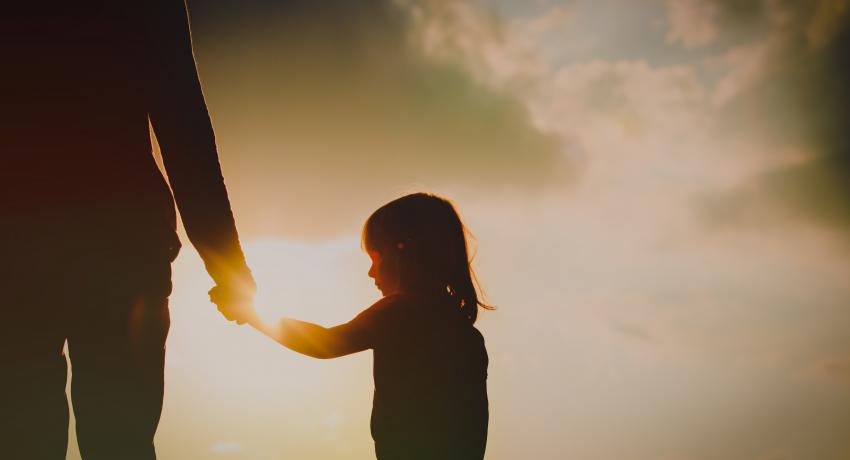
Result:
384,274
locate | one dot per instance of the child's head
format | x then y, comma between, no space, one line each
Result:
418,245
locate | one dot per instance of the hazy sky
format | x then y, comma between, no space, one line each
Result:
660,193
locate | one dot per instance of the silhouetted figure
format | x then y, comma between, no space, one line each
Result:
430,365
87,222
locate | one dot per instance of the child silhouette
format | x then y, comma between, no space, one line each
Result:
430,367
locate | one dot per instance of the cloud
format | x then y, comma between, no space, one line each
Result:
789,85
630,330
826,22
692,23
761,106
341,103
836,369
775,454
747,65
640,98
497,51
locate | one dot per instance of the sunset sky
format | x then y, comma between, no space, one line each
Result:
659,193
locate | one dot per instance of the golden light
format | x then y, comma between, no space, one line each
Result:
233,393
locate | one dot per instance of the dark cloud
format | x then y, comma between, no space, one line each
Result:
742,12
802,102
323,109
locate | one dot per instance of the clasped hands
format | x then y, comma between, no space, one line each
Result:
236,303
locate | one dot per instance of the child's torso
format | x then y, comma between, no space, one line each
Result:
430,377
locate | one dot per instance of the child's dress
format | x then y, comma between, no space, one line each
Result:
430,374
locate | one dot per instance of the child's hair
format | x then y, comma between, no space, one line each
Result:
424,236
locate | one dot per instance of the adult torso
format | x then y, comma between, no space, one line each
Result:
76,144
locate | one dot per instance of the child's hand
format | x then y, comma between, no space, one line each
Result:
235,306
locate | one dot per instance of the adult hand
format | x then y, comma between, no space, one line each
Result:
235,304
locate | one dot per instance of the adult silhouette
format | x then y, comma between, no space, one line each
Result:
87,221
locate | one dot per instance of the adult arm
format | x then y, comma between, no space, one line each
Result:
183,129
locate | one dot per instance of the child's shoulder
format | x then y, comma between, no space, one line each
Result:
383,310
393,301
392,304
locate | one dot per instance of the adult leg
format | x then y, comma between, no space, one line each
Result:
117,350
32,395
34,422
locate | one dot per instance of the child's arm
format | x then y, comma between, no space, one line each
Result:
312,339
308,338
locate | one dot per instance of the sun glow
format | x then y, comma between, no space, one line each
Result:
326,283
239,394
